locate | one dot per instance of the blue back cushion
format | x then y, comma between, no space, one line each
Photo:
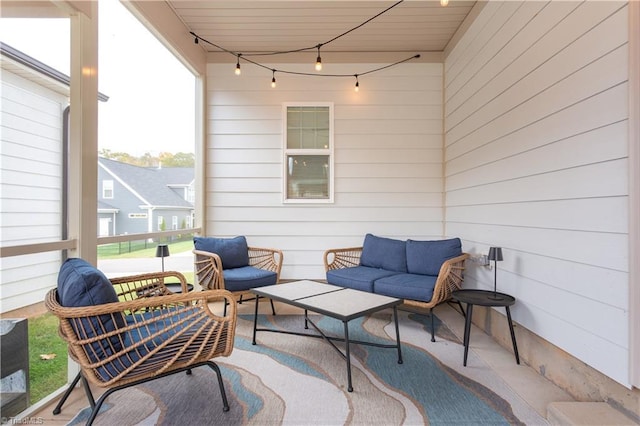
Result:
384,253
233,252
426,257
80,284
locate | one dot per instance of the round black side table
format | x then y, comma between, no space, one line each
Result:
484,298
177,288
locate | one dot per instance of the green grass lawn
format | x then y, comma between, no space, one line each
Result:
45,376
140,249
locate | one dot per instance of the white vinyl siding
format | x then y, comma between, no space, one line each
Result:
536,141
387,154
30,186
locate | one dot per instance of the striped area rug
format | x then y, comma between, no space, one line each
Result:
294,380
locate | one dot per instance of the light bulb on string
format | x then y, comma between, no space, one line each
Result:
238,71
273,79
357,88
319,60
444,2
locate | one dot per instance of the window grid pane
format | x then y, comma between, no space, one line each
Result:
308,127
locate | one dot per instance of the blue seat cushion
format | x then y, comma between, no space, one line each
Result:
407,286
357,277
131,338
384,253
247,277
233,252
426,257
81,284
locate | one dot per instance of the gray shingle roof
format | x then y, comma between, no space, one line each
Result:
152,184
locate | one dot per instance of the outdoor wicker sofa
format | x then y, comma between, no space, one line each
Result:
130,330
423,273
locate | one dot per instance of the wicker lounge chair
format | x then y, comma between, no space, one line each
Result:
157,334
237,269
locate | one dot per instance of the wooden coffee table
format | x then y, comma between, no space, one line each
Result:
344,304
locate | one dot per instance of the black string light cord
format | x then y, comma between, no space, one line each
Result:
243,56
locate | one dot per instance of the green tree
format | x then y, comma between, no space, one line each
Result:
179,159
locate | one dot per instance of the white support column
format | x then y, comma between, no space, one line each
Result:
634,192
201,150
83,133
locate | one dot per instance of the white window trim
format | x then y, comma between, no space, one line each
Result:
329,152
107,185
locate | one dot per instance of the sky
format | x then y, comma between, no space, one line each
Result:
151,94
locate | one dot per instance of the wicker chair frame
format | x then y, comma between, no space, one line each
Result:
210,274
450,277
173,343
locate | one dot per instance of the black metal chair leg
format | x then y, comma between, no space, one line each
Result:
96,408
273,309
214,367
433,332
87,391
464,314
73,384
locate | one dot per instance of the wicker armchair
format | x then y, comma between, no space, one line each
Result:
161,334
211,274
449,279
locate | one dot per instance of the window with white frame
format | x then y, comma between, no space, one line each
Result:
174,222
107,189
308,153
161,224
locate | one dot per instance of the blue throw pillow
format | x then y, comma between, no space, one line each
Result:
384,253
233,252
80,284
426,257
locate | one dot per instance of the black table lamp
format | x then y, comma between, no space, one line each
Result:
495,254
163,251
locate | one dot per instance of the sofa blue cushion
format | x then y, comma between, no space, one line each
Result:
406,286
80,284
247,277
426,257
233,252
357,277
384,253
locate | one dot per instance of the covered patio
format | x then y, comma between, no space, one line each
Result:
516,127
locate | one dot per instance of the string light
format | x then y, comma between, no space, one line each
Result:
319,60
444,2
238,71
318,65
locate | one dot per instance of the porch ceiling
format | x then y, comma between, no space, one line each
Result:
246,26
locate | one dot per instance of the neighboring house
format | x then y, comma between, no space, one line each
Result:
134,199
34,106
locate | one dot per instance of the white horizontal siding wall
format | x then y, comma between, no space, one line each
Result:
388,158
30,187
536,162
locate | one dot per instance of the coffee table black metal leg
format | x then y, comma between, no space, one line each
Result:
513,335
467,331
347,355
395,316
255,320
